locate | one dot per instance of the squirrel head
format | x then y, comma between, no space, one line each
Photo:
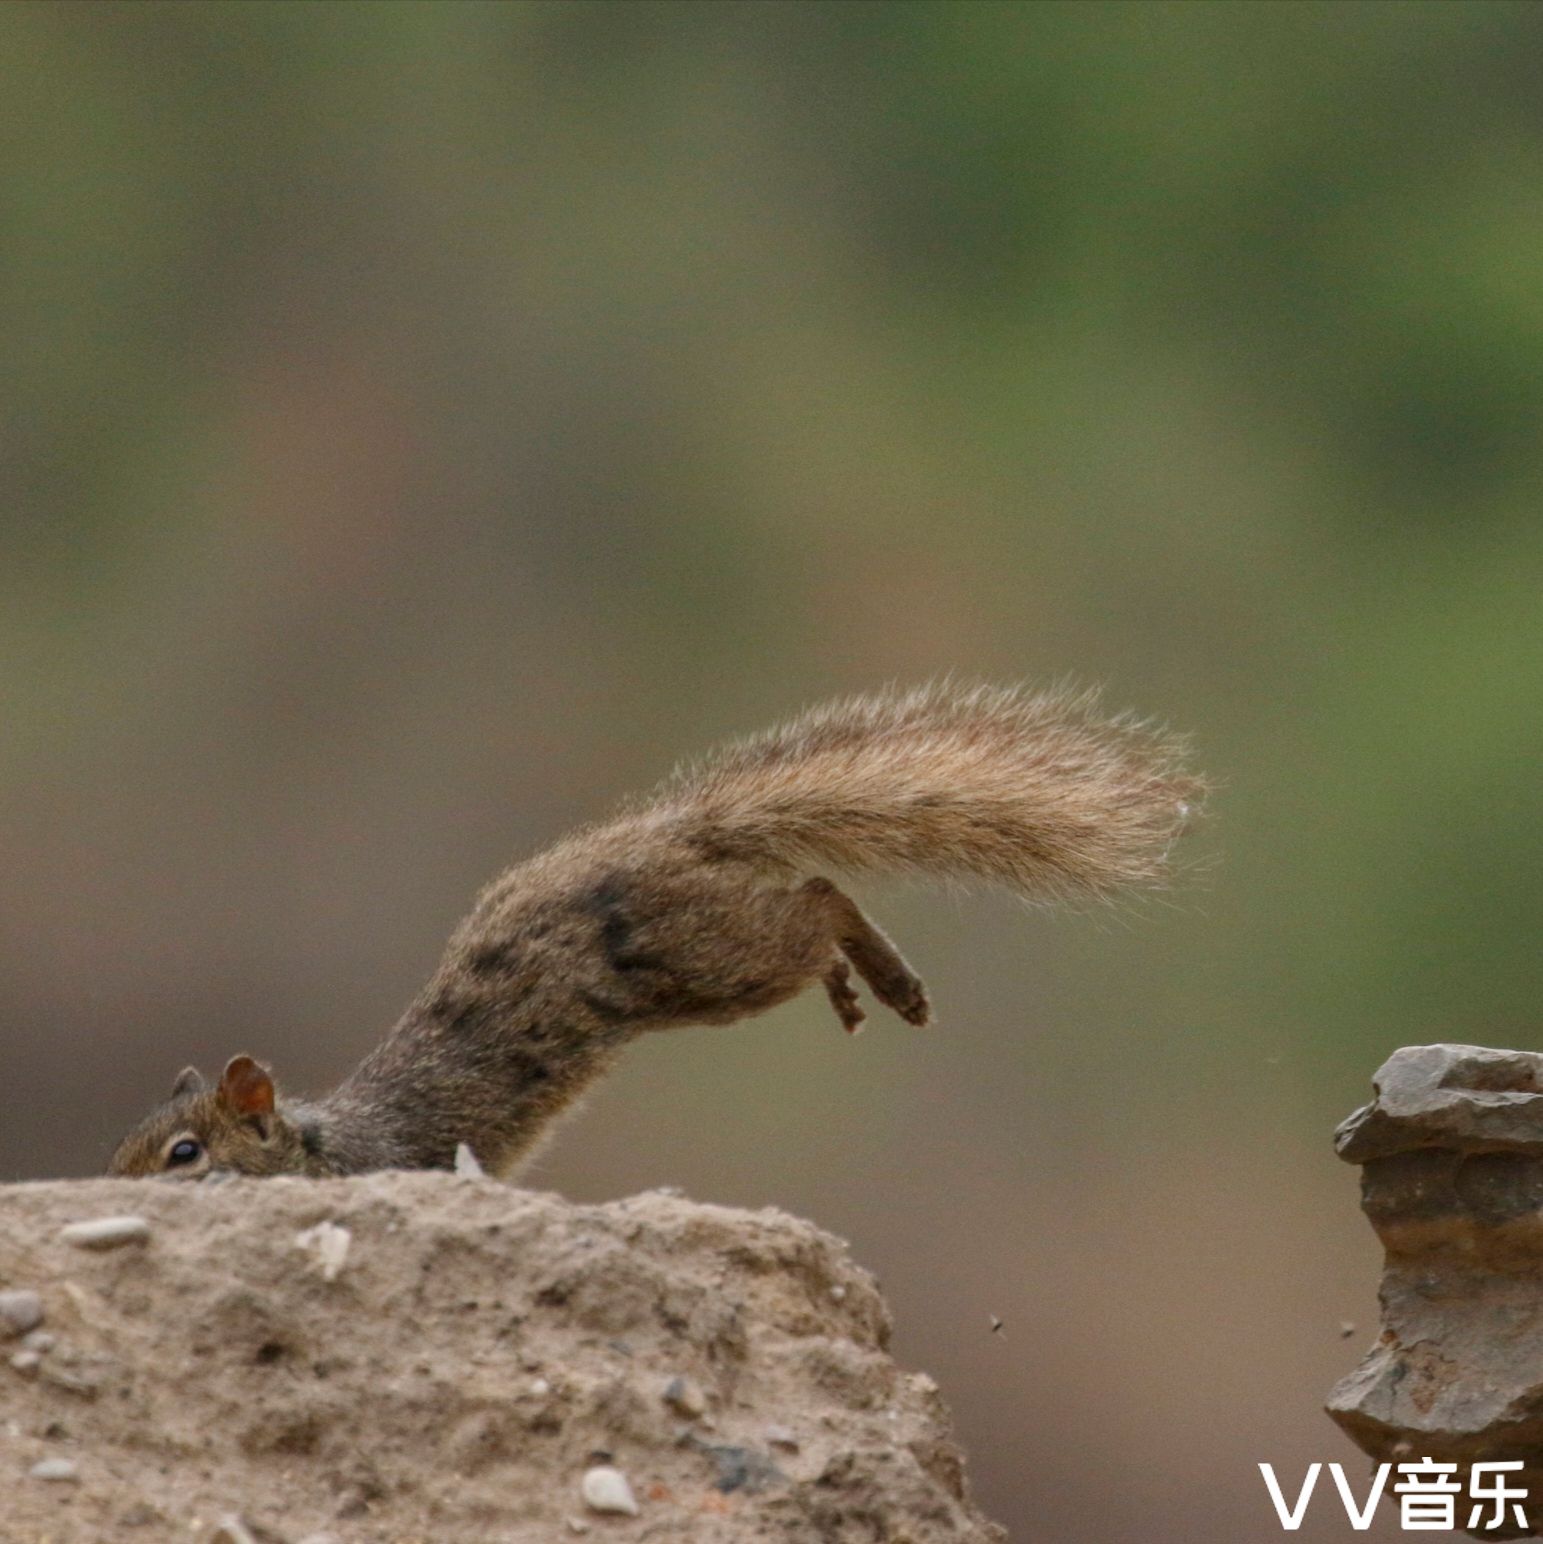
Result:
234,1127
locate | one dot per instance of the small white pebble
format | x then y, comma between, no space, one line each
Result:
38,1340
577,1525
466,1164
838,1293
327,1244
231,1530
27,1362
781,1436
62,1471
19,1313
685,1397
106,1232
606,1490
540,1387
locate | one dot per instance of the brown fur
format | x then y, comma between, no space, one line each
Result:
689,908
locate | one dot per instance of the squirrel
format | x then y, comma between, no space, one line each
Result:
694,905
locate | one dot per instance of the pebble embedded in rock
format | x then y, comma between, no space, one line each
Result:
327,1244
78,1372
685,1397
781,1436
38,1340
61,1471
231,1530
27,1362
106,1232
606,1490
19,1313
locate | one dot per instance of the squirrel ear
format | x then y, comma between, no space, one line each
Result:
246,1087
189,1081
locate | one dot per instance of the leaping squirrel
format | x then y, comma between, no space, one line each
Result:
695,906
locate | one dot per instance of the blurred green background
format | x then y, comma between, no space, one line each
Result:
425,422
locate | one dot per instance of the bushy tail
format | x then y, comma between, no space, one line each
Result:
1040,792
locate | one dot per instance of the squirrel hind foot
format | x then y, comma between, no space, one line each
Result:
874,956
843,996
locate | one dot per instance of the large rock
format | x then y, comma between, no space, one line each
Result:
1451,1150
417,1357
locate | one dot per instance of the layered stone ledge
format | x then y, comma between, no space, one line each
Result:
1451,1156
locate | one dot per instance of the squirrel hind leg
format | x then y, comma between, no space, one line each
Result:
876,959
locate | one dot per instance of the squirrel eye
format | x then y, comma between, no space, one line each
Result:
185,1151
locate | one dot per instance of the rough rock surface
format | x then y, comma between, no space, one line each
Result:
1452,1181
477,1351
